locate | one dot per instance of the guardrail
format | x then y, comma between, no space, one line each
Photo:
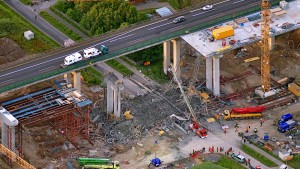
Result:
130,49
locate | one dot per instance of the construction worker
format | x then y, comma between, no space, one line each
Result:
224,130
236,129
255,130
246,130
261,122
249,125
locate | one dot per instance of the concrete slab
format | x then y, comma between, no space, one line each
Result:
244,34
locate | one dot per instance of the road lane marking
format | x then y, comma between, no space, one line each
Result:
121,37
160,25
212,5
204,12
7,81
135,41
47,69
237,2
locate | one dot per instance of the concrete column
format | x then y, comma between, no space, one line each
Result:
209,73
13,139
76,80
110,99
118,114
176,58
272,42
166,61
4,132
116,103
68,78
216,75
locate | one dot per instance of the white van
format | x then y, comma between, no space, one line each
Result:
75,57
90,52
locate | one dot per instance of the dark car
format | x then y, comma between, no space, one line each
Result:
179,19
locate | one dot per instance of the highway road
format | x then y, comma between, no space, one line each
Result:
125,39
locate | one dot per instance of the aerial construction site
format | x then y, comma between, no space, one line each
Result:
232,94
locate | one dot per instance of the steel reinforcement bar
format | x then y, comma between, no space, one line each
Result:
128,50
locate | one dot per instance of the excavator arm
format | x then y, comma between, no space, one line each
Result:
13,156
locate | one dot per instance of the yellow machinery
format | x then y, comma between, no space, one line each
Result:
294,88
108,166
265,48
223,32
24,164
229,115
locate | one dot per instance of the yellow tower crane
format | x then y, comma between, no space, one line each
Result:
13,156
265,48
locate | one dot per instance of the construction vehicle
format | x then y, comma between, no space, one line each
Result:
200,131
13,156
98,163
286,126
195,123
285,118
242,113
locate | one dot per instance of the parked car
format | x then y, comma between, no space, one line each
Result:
207,7
179,19
238,158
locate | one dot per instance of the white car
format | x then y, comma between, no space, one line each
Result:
207,7
91,52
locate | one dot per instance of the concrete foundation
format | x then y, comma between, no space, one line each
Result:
114,89
166,61
76,80
209,73
272,42
216,75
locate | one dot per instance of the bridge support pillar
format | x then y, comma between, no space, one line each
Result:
13,139
76,80
176,58
166,62
4,133
272,42
216,75
209,73
68,78
114,89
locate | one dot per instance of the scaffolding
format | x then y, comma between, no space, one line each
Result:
65,109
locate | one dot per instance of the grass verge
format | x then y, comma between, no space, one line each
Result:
267,151
207,165
295,161
12,25
153,71
26,2
70,22
119,67
91,76
258,156
223,163
60,26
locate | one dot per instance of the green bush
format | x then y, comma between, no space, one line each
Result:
60,26
258,156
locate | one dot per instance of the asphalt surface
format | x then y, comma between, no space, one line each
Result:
123,39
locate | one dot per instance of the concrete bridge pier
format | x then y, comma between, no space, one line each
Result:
176,57
114,89
74,79
213,74
8,123
4,132
272,42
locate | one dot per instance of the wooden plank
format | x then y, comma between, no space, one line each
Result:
275,10
279,13
251,59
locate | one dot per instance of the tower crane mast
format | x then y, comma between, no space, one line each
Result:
265,48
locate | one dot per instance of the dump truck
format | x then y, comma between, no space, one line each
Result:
98,163
244,113
286,126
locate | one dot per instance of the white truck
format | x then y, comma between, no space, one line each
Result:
73,58
91,52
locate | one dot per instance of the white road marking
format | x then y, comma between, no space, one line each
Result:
160,25
7,81
237,2
203,12
121,37
46,69
136,40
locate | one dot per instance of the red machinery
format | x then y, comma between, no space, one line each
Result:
246,110
200,131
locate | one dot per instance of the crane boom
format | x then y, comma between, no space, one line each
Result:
14,157
265,49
